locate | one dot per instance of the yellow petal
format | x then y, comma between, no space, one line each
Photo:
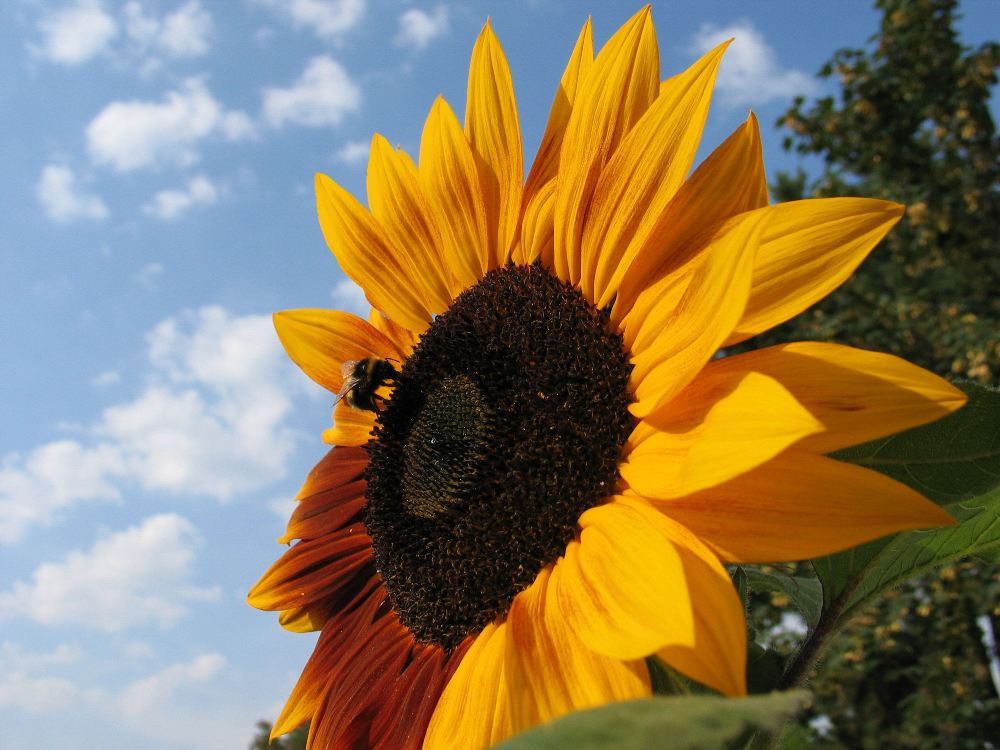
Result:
367,257
451,182
396,199
494,132
621,85
858,395
621,587
643,176
320,341
799,506
546,163
810,248
338,467
351,427
718,656
677,329
402,338
712,432
536,227
730,181
304,619
550,670
473,711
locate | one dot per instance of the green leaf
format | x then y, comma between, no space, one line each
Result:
806,593
915,552
950,460
764,669
954,461
690,722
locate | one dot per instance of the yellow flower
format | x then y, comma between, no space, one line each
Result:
558,462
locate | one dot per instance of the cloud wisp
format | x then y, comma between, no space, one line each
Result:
418,28
750,72
64,200
130,135
75,34
212,420
134,577
328,19
168,205
322,95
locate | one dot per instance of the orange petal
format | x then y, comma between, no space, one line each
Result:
712,432
730,181
320,341
350,426
366,255
493,130
451,182
402,338
550,671
546,164
643,176
858,395
809,248
396,199
473,711
799,506
673,340
622,83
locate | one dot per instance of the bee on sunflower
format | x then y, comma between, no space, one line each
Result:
543,489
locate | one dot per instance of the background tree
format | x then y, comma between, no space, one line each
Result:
294,740
911,123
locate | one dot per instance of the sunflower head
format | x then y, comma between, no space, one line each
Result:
540,491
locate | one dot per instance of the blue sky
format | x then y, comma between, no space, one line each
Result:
155,207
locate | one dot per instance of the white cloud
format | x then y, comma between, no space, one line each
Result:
148,275
353,152
76,33
64,200
212,420
349,297
325,18
183,33
35,488
106,378
167,205
323,94
418,28
142,695
135,134
134,577
750,73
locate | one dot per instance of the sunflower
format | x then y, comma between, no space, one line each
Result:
558,461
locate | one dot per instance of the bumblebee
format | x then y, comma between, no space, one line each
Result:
362,378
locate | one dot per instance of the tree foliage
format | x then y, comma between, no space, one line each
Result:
912,124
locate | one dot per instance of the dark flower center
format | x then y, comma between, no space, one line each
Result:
506,424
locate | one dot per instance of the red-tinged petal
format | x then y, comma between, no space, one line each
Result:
325,512
338,467
312,570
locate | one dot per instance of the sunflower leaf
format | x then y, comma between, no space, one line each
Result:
952,459
676,723
890,562
955,462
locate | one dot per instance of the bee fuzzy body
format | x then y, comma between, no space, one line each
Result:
362,378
